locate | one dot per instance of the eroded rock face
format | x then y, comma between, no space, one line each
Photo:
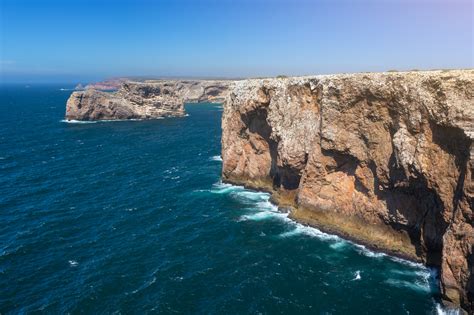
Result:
383,158
144,100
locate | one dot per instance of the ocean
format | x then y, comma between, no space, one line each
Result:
131,217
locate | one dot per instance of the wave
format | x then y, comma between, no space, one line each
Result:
357,276
223,188
407,262
73,121
300,229
407,273
261,199
217,158
258,202
425,279
413,285
73,263
262,204
263,209
259,216
440,310
339,245
145,285
361,249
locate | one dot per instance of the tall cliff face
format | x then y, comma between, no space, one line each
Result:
144,100
386,159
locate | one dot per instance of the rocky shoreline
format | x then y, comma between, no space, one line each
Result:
383,159
290,207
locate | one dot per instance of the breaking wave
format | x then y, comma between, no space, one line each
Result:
217,158
357,276
440,310
263,209
74,121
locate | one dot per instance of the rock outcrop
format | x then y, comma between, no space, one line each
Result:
385,159
144,100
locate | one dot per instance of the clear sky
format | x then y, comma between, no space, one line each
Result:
80,40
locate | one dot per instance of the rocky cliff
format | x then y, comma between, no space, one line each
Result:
144,100
385,159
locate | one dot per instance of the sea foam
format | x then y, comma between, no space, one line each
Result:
74,121
216,158
440,310
357,276
263,209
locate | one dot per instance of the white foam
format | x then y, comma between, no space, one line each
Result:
266,210
260,216
440,310
145,285
217,158
357,276
361,249
407,262
73,263
300,229
223,188
261,199
73,121
290,233
342,244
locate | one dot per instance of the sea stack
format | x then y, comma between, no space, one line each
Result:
385,159
144,100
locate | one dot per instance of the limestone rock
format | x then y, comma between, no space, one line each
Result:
383,158
144,100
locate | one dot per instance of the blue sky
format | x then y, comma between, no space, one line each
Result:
90,40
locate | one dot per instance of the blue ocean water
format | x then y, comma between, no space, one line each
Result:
130,217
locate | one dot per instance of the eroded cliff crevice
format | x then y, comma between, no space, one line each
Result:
385,159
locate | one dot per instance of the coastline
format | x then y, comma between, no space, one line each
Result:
310,218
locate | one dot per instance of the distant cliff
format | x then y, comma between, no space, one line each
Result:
144,100
382,158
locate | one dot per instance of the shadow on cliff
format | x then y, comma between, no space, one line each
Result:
419,201
256,122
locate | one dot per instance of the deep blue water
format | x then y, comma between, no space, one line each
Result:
130,217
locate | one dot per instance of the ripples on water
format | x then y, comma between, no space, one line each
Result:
131,217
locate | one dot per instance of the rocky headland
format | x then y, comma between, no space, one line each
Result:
386,159
144,100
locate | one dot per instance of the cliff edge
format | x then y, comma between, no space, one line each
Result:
385,159
144,100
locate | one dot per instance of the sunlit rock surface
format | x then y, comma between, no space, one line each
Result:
382,158
144,100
